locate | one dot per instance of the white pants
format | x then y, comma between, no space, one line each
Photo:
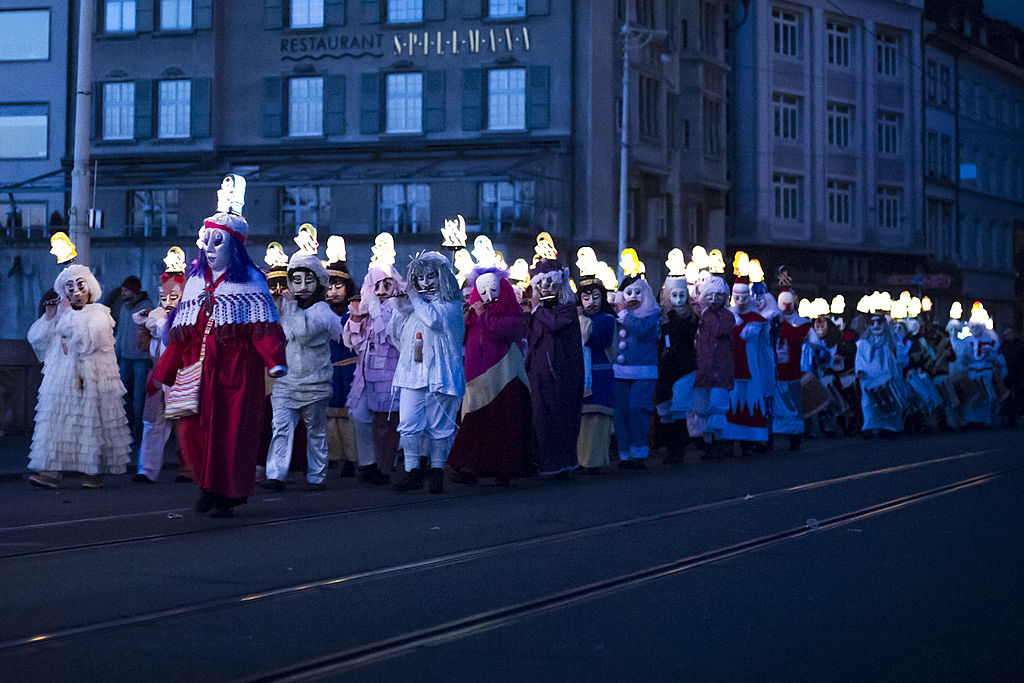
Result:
151,453
362,420
283,424
423,413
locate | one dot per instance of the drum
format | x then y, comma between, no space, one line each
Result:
814,396
885,398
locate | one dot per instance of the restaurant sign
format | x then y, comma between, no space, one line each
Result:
339,45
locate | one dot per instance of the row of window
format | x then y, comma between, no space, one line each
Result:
788,201
123,110
787,41
401,208
990,106
131,16
998,176
787,119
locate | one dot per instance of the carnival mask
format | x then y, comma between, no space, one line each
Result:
787,302
548,285
77,292
821,327
632,295
384,288
170,294
302,283
677,297
214,243
277,286
900,330
590,299
741,299
715,299
877,326
337,291
488,286
426,283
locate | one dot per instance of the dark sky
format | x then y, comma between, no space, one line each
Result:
1010,10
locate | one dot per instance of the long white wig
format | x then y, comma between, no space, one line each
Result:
73,272
447,286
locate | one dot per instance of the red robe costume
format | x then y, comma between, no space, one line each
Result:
788,407
220,444
754,377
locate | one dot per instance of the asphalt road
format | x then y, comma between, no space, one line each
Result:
850,560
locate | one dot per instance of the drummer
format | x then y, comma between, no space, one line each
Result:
879,366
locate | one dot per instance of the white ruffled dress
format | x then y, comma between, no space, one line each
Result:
80,419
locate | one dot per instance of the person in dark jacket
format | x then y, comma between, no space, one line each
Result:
677,367
133,362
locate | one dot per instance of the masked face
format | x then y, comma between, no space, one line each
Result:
426,283
741,299
787,303
900,330
820,328
677,298
760,302
877,327
716,299
488,286
591,301
302,283
548,285
214,244
77,292
632,295
277,286
384,288
169,295
337,291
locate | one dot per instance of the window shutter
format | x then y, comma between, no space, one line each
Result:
143,16
202,14
433,10
334,105
433,101
472,99
97,111
273,107
143,110
537,96
369,106
472,9
538,7
273,14
200,108
371,11
334,13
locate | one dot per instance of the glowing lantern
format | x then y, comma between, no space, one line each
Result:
675,263
336,249
383,250
631,264
275,255
454,233
175,260
838,304
62,247
306,239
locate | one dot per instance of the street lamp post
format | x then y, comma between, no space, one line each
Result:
79,214
643,36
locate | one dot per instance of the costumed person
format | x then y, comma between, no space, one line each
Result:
985,368
677,366
156,428
554,364
372,404
428,328
879,366
133,362
341,435
227,328
635,369
277,282
80,416
753,373
309,325
787,407
597,327
713,380
495,438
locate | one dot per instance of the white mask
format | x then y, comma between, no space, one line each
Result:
549,284
488,286
633,295
677,297
214,243
426,283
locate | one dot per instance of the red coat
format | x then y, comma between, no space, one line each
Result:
791,341
220,444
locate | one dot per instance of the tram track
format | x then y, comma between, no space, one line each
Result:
149,538
440,561
340,662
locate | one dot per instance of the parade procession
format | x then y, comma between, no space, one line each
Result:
457,366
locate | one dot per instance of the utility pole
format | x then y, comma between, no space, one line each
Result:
643,36
80,175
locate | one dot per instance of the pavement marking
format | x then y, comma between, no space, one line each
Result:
455,558
333,664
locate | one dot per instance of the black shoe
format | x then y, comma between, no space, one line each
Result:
222,513
465,477
348,469
142,479
367,473
626,465
794,442
379,478
205,502
183,479
436,480
310,486
410,482
272,484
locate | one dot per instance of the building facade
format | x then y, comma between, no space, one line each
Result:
975,97
826,146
